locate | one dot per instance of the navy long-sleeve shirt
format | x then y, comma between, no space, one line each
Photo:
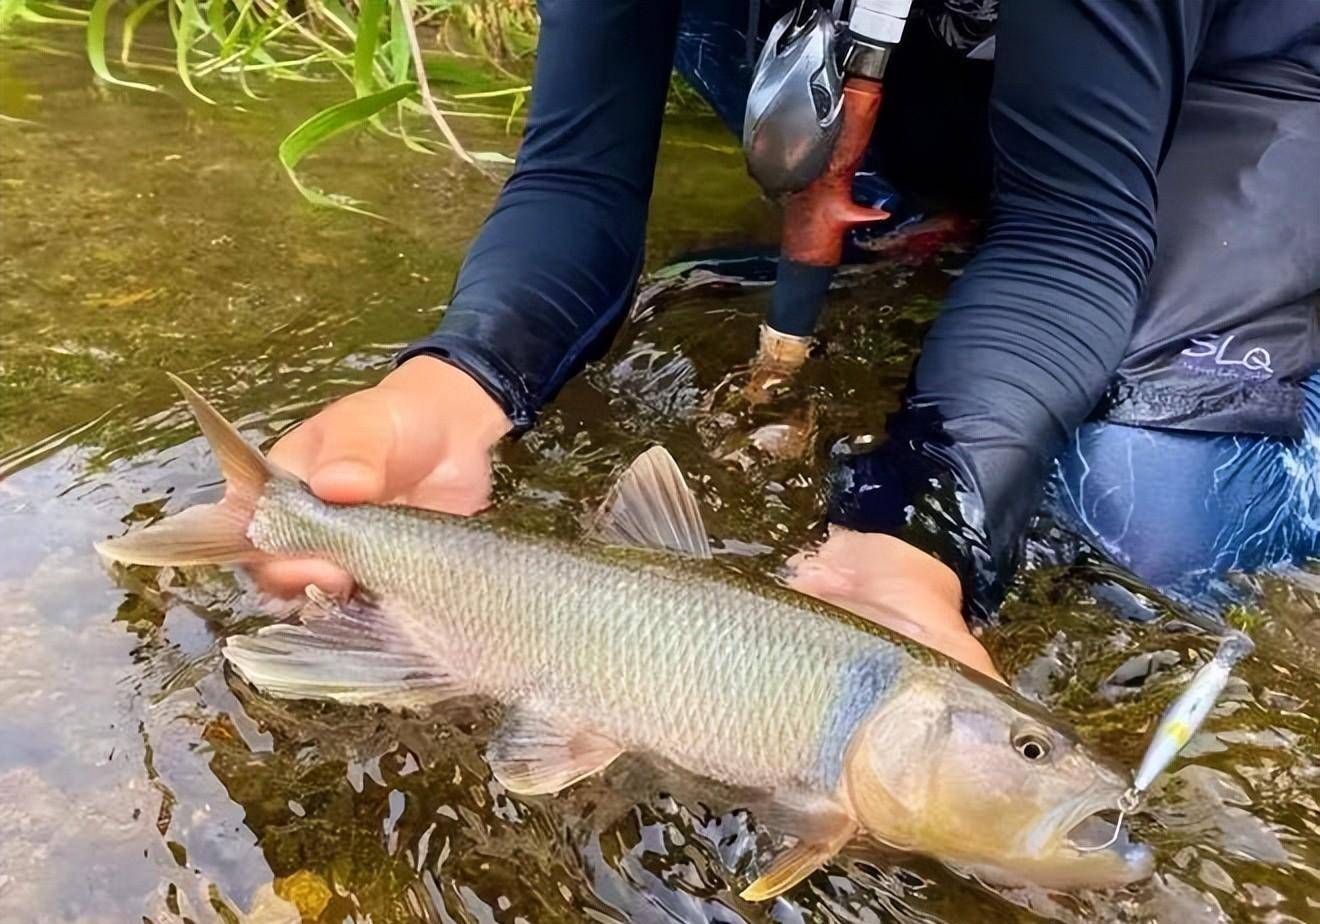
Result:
1084,102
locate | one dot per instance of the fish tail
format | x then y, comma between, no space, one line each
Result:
210,533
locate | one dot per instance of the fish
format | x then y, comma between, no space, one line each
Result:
638,642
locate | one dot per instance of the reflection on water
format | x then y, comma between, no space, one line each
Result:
143,232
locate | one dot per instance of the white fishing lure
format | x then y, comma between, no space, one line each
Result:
1186,713
1182,719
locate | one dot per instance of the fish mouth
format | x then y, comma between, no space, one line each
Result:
1085,845
1100,850
1097,831
1073,819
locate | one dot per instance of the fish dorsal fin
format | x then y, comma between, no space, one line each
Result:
534,755
652,507
348,652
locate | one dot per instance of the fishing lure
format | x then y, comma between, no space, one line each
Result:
1182,720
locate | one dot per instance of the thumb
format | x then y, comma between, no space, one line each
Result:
352,459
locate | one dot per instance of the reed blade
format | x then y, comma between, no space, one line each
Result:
325,125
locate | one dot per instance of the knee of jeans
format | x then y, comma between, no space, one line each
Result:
1168,505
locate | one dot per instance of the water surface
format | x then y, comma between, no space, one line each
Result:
145,232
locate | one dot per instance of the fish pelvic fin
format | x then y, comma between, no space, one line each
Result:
210,533
346,652
821,835
534,755
652,507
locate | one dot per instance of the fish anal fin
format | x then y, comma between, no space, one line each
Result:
652,507
348,652
822,830
532,754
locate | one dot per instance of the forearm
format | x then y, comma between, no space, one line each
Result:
1024,349
544,285
549,277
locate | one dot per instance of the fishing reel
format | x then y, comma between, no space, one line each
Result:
795,109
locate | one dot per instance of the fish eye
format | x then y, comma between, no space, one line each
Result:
1032,746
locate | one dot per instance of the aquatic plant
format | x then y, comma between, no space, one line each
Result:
389,52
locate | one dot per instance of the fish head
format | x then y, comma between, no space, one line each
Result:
960,768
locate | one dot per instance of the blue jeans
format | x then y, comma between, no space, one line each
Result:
1181,509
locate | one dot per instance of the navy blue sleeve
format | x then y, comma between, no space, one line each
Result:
549,277
1085,99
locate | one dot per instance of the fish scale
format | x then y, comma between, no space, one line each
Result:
603,638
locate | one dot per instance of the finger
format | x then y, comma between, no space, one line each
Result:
809,575
798,560
295,451
352,457
289,577
463,502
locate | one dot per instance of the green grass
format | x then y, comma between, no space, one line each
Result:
386,53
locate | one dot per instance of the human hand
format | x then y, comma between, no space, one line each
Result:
896,585
421,437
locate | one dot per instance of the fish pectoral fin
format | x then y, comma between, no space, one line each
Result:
652,507
533,755
348,652
817,845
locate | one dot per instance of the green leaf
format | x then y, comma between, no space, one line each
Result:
335,10
364,49
323,126
73,11
408,140
131,21
518,102
459,72
215,17
9,11
491,94
183,25
400,50
30,11
96,21
229,42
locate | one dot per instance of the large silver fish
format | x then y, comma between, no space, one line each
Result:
641,644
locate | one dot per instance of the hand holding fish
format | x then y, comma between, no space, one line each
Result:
893,584
421,438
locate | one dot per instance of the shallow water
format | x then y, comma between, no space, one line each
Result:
145,232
